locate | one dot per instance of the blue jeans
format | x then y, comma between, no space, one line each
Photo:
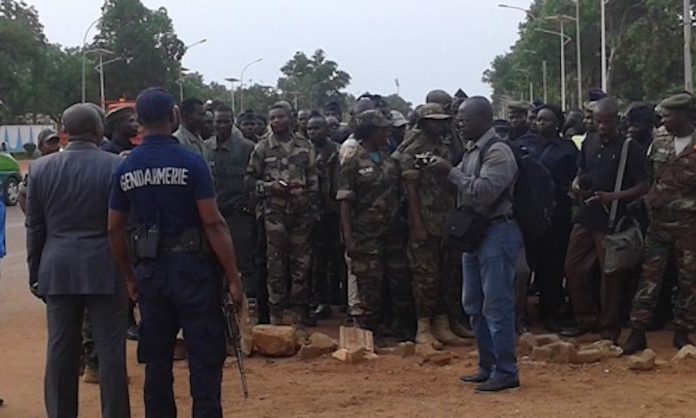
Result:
488,296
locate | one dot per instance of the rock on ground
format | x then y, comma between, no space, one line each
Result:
688,352
274,340
559,352
642,361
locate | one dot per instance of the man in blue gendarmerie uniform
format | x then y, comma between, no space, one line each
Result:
179,233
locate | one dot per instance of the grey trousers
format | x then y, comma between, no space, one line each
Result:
108,315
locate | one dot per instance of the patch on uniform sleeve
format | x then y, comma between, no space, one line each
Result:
344,195
366,171
270,160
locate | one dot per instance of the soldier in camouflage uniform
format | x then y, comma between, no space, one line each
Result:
283,172
429,201
369,200
672,205
328,265
455,145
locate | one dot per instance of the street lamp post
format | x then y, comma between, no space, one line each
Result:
578,51
181,68
688,64
543,70
100,52
521,9
84,58
232,80
241,82
100,69
564,39
603,30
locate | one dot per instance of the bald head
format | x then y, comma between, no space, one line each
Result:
607,105
440,97
83,122
475,117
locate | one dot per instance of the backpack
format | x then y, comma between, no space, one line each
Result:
533,199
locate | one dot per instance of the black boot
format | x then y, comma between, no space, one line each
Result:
636,342
306,318
681,338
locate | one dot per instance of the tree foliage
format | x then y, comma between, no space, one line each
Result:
313,81
644,51
145,41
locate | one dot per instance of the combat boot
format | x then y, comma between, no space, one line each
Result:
442,331
460,330
681,338
425,336
91,374
636,342
304,318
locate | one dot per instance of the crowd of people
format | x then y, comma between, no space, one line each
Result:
304,214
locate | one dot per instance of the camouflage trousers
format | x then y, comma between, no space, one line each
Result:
431,267
374,262
289,257
664,241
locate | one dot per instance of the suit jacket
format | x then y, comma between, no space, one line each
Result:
67,207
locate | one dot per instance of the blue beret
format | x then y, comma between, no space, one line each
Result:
154,104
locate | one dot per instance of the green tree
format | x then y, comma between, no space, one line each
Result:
397,102
644,51
145,41
313,81
22,46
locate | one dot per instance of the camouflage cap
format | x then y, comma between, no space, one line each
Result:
371,118
589,106
678,101
47,134
519,106
398,119
432,111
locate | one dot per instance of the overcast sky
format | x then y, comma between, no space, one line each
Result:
425,44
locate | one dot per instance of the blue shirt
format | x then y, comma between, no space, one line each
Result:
161,182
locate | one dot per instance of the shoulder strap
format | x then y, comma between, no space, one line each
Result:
618,185
482,154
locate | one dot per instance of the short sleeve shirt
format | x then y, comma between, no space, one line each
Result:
373,191
599,164
161,181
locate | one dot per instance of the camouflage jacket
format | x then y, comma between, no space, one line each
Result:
673,176
373,191
437,195
327,168
270,163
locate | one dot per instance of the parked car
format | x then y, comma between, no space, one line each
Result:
10,178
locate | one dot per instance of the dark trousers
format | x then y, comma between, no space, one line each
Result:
328,264
243,231
584,250
108,315
549,263
181,291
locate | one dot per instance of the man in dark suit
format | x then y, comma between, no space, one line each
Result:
71,268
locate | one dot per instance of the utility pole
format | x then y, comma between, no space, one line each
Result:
604,45
543,70
578,46
688,70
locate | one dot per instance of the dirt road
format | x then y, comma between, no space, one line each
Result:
385,387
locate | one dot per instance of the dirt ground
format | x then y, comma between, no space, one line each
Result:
385,387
